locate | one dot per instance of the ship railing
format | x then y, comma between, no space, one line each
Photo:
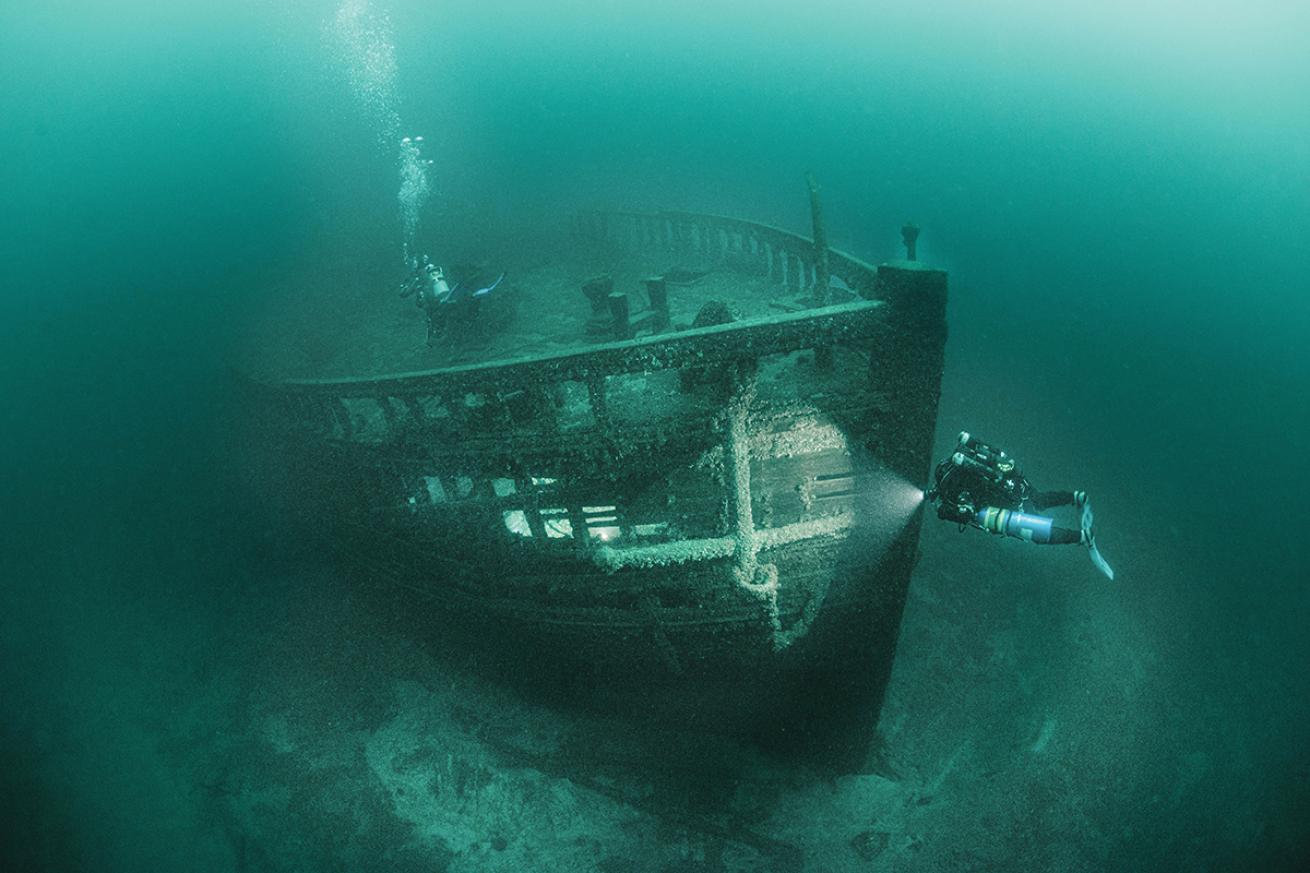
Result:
789,259
499,396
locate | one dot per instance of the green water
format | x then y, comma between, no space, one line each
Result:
1121,195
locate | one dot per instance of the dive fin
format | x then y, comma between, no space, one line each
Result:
1089,536
489,288
1101,563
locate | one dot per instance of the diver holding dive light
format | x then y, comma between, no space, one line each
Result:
980,486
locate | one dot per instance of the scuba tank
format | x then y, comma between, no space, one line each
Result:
1011,523
1040,529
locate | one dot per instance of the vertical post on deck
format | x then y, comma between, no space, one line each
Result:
618,302
910,236
820,244
658,291
822,354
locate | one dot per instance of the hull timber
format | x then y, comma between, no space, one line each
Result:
715,525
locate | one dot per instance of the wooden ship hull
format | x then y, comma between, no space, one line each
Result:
713,525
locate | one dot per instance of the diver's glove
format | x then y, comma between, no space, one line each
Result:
1085,520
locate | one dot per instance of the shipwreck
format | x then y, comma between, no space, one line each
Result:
700,505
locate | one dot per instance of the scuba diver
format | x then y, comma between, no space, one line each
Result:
980,486
428,285
439,300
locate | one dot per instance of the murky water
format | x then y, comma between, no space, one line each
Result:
1121,196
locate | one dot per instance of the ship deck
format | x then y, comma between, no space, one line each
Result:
363,328
318,328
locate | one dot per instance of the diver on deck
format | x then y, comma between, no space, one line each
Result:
980,486
429,287
439,300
